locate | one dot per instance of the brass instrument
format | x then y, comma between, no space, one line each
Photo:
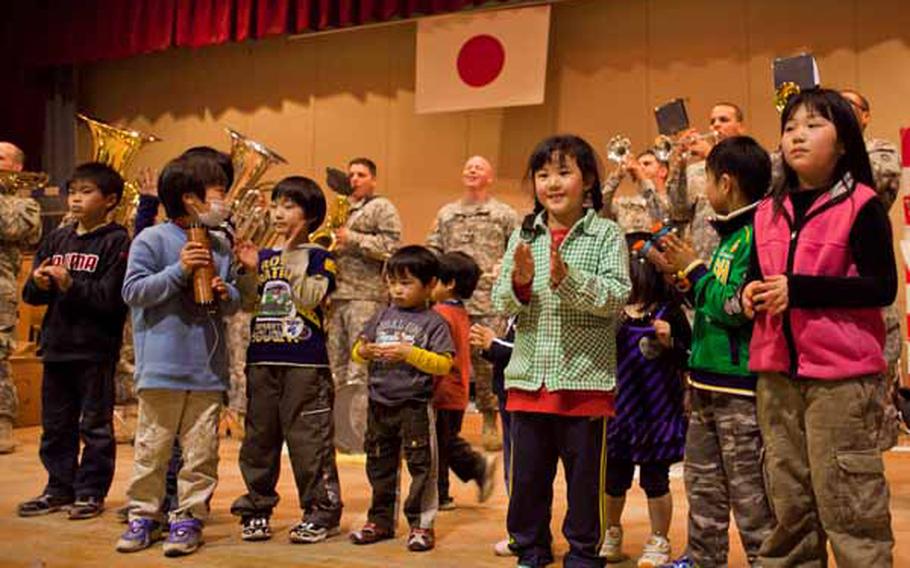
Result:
338,182
13,182
324,236
249,208
664,145
618,149
783,94
117,147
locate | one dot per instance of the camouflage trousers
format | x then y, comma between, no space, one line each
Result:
347,319
484,397
891,424
723,473
237,328
125,371
9,401
825,475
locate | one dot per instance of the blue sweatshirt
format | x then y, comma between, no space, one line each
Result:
178,346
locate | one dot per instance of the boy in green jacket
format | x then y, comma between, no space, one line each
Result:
723,445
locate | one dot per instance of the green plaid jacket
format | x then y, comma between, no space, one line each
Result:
566,338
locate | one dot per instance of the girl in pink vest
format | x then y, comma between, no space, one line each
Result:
823,268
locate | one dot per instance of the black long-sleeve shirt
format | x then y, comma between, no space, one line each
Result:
872,250
85,323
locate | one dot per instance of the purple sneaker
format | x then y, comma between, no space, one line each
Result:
185,537
139,536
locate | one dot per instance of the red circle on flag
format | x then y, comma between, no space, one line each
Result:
480,60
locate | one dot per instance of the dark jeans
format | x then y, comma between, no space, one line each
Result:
539,442
77,399
390,429
293,405
506,418
455,453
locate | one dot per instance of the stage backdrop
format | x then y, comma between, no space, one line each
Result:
321,100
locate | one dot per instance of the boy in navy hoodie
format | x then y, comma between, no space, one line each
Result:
77,274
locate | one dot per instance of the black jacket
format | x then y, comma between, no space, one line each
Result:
85,323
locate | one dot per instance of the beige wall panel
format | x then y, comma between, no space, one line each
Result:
696,51
601,56
283,75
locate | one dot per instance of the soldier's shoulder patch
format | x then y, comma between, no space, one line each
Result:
330,265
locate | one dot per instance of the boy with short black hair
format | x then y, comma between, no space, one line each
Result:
181,367
723,424
289,384
405,345
78,272
458,276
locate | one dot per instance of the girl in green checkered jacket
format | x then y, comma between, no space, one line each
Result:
565,277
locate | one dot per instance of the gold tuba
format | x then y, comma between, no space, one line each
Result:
117,147
249,208
12,182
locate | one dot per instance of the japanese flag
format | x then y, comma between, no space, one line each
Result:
490,59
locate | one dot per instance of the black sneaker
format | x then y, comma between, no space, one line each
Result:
307,532
447,504
43,505
86,508
255,528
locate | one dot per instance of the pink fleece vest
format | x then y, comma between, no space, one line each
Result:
836,343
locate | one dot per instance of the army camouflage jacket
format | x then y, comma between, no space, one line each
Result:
374,232
481,230
20,225
689,204
634,212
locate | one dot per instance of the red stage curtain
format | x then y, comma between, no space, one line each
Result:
81,31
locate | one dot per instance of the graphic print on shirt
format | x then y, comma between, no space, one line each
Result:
76,261
278,320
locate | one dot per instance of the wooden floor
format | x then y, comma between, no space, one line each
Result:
464,536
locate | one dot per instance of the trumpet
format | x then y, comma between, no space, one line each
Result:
13,182
664,145
618,149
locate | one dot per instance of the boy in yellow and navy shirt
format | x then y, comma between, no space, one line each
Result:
289,384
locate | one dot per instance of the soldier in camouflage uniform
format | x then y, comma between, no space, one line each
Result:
479,226
20,225
884,157
638,212
370,235
686,186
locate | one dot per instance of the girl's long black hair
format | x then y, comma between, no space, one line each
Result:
556,149
835,108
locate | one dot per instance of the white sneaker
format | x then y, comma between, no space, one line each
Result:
611,550
655,553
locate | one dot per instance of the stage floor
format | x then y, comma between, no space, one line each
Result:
464,536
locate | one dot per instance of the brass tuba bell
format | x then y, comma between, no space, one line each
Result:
116,147
249,209
13,182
